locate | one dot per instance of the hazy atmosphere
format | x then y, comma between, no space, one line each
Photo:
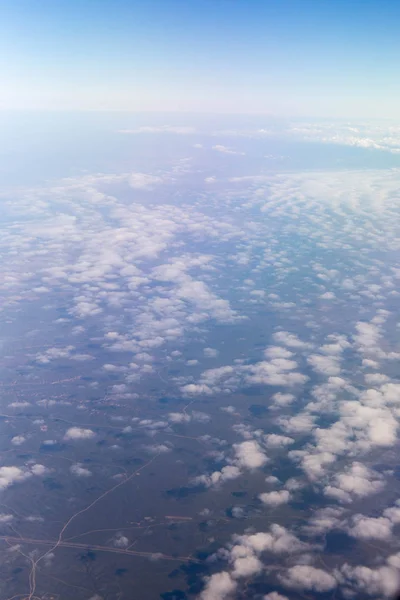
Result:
199,300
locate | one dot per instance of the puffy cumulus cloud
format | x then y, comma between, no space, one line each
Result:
325,365
313,463
275,498
272,440
245,566
278,371
249,455
290,339
277,352
181,417
17,440
68,351
210,352
306,577
279,400
12,474
218,587
278,540
121,541
244,557
79,433
54,354
106,254
158,449
80,471
323,520
227,473
374,425
357,481
380,528
380,581
184,417
371,528
298,424
275,596
367,422
394,560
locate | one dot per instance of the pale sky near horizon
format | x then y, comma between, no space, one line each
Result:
279,57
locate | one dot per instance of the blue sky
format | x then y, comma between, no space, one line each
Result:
285,57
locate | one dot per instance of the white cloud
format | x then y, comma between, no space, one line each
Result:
249,455
245,566
371,528
275,596
289,339
326,365
297,424
181,417
121,541
17,440
381,581
275,498
6,518
210,352
10,475
218,587
80,471
306,577
273,440
356,481
225,150
79,433
144,181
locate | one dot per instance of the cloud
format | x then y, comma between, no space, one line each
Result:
5,518
225,150
326,365
79,433
357,481
12,474
249,455
289,339
144,181
278,371
371,528
297,424
227,473
381,581
17,440
275,596
275,498
324,520
80,471
218,587
273,440
306,577
210,352
179,417
121,541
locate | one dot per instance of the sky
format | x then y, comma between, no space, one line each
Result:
280,57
